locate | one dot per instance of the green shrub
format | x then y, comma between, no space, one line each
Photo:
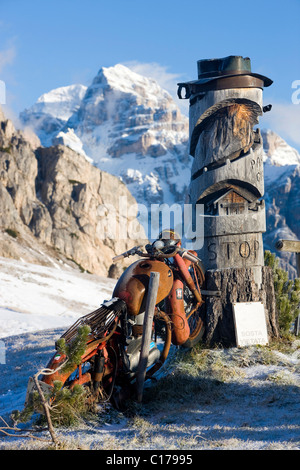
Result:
69,406
12,233
287,293
6,149
75,349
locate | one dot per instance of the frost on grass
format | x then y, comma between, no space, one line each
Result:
237,398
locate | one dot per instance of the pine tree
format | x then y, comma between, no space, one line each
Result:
69,405
287,293
75,349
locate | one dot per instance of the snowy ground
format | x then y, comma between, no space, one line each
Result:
239,399
34,297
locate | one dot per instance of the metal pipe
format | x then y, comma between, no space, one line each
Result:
147,332
187,277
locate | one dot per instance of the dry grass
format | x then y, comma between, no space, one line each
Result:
207,399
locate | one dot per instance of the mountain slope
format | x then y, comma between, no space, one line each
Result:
131,128
52,110
282,195
54,203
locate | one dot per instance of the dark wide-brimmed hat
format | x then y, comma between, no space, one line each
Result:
232,71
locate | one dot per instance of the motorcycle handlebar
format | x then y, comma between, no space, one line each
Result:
136,251
130,252
118,258
190,256
158,254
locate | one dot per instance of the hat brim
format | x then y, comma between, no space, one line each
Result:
202,81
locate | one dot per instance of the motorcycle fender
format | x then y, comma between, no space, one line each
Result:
175,310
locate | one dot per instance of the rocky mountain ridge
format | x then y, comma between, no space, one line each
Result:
282,195
54,206
130,127
127,125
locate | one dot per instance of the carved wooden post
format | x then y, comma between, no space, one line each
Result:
227,178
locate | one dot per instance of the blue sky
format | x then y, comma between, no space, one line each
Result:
46,44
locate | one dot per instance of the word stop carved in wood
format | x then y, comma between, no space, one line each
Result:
227,180
227,171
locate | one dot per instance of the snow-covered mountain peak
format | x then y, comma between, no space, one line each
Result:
128,99
50,112
120,77
278,152
60,102
127,124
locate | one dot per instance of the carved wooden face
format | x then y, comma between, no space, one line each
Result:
227,132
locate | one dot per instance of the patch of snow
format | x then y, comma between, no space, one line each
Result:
34,297
278,151
70,139
254,405
61,102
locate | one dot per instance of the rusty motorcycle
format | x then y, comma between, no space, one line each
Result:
110,360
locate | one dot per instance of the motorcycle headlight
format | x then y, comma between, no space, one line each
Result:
158,245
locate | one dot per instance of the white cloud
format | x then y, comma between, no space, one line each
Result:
154,70
7,56
167,80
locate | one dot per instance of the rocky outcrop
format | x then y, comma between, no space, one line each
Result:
128,126
52,110
18,165
282,195
131,128
53,202
84,217
18,170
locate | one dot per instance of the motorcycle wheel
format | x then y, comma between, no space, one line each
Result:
194,314
104,383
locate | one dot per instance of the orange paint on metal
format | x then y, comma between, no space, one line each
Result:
187,277
175,310
133,284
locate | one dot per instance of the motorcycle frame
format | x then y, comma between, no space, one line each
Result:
175,301
177,330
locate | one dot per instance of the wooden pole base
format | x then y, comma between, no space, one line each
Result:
237,285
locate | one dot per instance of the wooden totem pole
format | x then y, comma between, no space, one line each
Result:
227,179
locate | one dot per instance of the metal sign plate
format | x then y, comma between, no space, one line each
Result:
250,323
